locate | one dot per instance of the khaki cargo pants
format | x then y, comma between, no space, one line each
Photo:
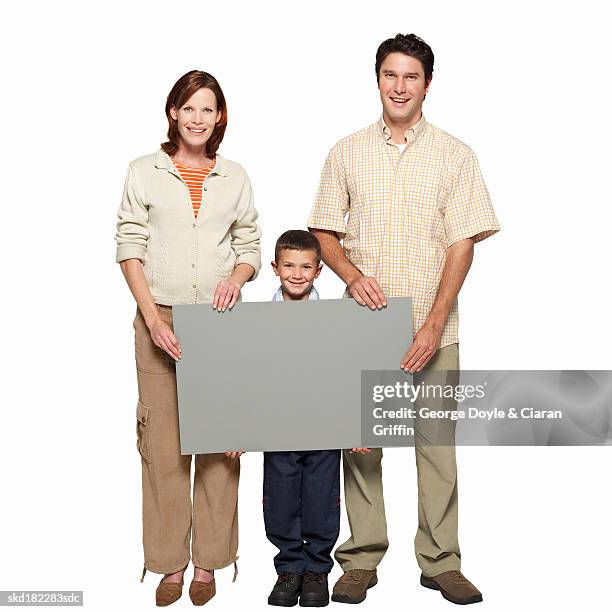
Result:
170,520
436,544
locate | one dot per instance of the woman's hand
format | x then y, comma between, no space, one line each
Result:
234,454
228,290
162,337
361,450
226,294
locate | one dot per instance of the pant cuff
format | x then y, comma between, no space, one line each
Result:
166,569
434,570
320,570
294,569
351,565
215,565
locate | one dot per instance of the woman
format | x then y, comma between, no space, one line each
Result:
186,235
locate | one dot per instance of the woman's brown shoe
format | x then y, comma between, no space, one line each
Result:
168,592
201,592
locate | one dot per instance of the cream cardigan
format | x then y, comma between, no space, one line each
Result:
184,257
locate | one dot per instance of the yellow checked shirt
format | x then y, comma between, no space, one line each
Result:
404,209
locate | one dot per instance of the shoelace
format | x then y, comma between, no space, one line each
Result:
313,577
352,576
287,577
460,578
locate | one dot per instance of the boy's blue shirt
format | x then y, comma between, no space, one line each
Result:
278,296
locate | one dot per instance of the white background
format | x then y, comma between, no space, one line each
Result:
525,84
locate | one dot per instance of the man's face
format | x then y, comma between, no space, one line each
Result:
402,87
297,271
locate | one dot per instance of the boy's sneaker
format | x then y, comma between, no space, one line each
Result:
315,593
286,590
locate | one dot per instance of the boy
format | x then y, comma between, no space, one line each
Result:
301,488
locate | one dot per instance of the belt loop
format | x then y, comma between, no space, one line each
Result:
235,572
144,571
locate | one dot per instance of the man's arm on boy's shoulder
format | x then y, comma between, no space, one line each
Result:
365,290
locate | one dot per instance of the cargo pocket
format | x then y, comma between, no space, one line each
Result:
142,432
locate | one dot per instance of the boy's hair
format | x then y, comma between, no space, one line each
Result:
297,240
408,44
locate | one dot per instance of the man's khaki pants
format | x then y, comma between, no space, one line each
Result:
169,519
436,544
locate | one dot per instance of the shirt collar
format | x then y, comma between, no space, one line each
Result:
163,161
278,296
412,134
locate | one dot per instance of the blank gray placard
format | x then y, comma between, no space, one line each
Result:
281,375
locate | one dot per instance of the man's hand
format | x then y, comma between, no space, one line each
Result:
427,340
234,454
163,338
226,294
361,450
366,291
424,346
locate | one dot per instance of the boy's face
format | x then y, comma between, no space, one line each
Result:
297,271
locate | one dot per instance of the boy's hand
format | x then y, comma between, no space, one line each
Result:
234,454
361,450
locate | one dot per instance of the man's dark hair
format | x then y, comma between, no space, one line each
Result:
297,240
408,44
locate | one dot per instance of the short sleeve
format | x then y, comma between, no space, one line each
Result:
332,200
469,212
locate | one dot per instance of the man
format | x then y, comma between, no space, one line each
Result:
416,204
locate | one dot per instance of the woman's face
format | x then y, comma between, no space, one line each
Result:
197,118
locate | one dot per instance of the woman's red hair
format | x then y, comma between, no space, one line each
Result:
182,90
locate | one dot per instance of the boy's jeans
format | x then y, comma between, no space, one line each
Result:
302,508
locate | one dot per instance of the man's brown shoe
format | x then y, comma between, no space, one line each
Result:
353,586
168,592
201,592
454,586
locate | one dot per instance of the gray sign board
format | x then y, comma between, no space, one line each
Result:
281,375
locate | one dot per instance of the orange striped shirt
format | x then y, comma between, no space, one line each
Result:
194,177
